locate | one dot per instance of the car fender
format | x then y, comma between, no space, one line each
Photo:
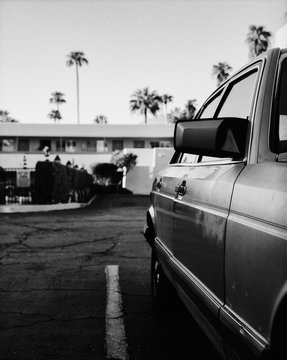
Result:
149,232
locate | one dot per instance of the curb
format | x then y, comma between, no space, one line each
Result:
46,207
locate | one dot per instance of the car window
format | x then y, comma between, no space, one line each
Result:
188,158
207,112
212,158
239,98
283,103
236,104
209,109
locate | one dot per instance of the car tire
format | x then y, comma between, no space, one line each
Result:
162,291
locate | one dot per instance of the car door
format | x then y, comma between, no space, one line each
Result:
256,245
162,196
202,202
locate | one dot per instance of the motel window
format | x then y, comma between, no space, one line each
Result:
117,145
60,145
44,143
84,146
92,145
139,144
154,144
71,145
97,146
8,145
102,146
164,144
23,144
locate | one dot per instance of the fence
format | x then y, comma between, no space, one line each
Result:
17,186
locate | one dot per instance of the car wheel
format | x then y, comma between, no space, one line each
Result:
161,288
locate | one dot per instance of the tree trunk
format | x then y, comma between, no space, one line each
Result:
78,97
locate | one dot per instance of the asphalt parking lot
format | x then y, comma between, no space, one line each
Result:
54,287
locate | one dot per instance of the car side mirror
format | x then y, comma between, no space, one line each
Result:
221,137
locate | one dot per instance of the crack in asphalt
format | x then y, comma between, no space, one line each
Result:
48,289
58,246
135,295
49,318
133,257
94,221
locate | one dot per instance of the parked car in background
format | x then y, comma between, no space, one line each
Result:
217,221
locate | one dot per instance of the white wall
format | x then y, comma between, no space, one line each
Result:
138,180
281,37
149,162
15,160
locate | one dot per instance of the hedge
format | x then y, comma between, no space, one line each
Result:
57,183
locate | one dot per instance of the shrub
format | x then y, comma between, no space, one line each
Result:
106,174
44,182
122,160
57,183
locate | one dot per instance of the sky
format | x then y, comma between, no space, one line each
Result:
169,46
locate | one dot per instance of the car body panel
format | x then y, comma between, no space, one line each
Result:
162,199
224,240
200,220
258,223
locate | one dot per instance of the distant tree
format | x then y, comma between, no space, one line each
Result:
55,115
258,40
101,119
57,98
174,115
5,117
77,58
165,99
190,109
186,114
122,160
106,174
144,101
221,71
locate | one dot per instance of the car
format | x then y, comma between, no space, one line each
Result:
217,219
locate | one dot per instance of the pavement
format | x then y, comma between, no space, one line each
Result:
17,208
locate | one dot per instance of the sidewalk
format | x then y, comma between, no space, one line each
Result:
16,208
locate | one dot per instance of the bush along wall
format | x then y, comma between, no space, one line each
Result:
2,185
57,183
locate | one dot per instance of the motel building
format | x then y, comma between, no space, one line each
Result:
281,37
85,145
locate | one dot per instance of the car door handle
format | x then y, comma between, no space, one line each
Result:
158,183
181,189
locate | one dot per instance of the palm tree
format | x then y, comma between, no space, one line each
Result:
190,108
77,58
165,98
186,114
5,117
258,40
55,115
57,98
101,119
143,101
221,71
174,115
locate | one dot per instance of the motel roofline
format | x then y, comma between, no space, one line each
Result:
87,130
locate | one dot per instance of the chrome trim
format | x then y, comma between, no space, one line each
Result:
245,333
164,248
198,286
206,207
167,196
259,224
209,163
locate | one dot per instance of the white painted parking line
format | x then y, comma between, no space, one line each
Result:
116,346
